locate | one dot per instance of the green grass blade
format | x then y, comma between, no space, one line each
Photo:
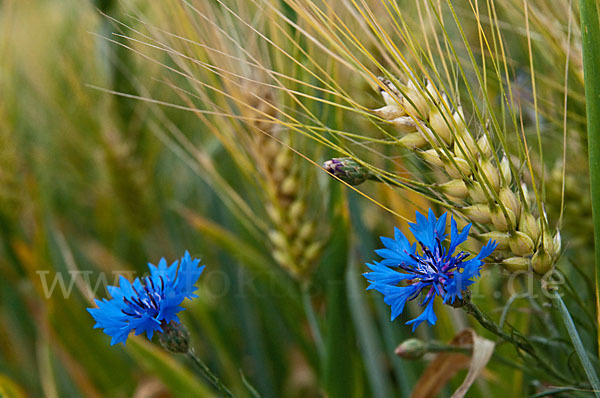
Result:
338,366
590,32
577,344
391,333
368,338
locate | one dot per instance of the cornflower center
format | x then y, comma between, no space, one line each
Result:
435,267
146,302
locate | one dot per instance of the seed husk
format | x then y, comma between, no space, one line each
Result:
461,168
431,156
404,124
389,112
528,225
484,146
541,262
413,140
509,199
514,264
456,188
521,244
499,219
491,172
501,238
440,126
478,212
476,193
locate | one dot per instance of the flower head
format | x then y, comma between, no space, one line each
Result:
148,304
435,271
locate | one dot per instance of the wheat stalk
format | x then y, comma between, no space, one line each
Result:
295,244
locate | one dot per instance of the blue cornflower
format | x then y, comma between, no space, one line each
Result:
436,271
149,304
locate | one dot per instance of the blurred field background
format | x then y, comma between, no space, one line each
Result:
95,185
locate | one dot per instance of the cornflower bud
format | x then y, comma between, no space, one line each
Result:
411,349
347,170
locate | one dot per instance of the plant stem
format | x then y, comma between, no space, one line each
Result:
577,344
209,375
249,386
514,338
590,38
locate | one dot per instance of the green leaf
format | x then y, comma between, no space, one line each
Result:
338,370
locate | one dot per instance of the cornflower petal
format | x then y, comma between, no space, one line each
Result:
427,315
386,275
457,238
396,296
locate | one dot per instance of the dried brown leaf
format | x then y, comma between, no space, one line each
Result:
447,365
